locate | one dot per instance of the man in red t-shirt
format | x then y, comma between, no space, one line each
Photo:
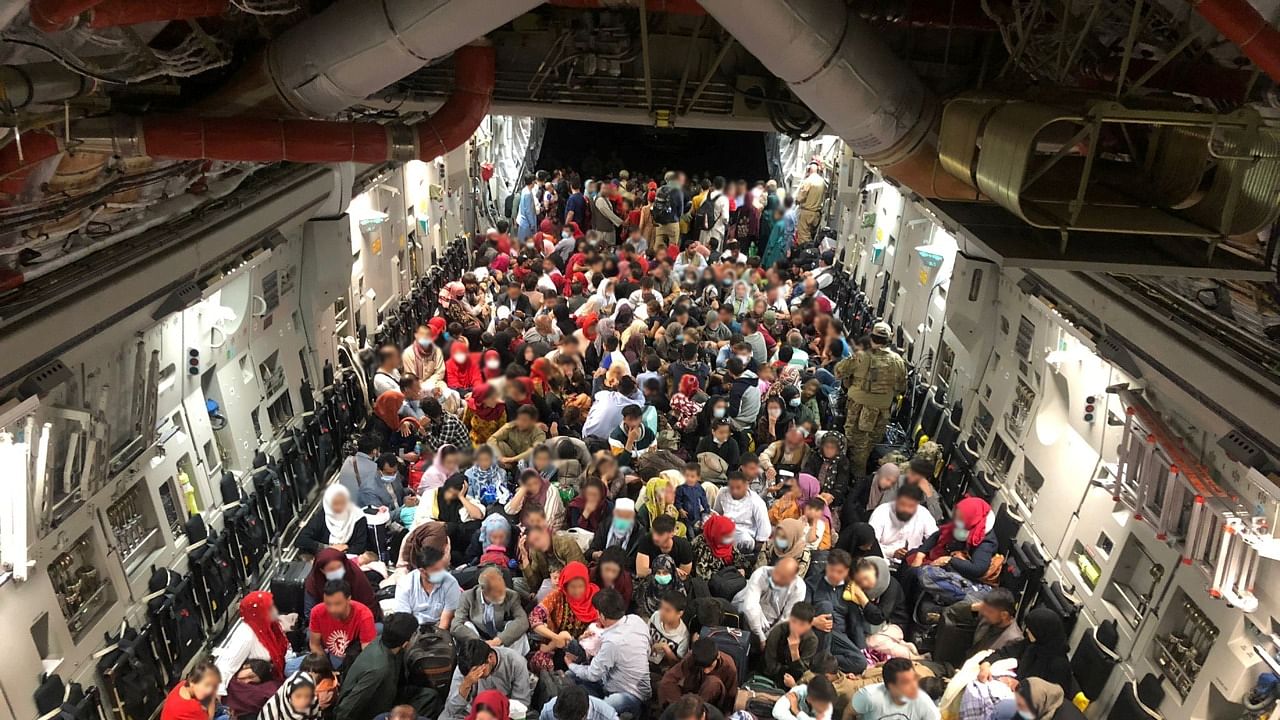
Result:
339,623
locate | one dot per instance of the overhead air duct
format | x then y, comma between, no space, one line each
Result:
275,139
119,13
835,62
56,15
353,49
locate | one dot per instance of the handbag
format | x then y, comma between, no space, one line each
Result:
727,582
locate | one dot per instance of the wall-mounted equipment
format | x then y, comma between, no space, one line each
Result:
1183,641
1090,408
83,591
1134,582
1167,487
193,361
133,524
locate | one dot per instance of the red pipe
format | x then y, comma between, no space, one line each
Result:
1240,23
315,141
37,147
55,15
118,13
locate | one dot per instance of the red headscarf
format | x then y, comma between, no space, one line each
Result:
255,610
973,512
387,408
538,374
548,226
713,530
689,385
577,231
461,375
476,405
582,607
495,701
503,243
501,264
588,324
485,372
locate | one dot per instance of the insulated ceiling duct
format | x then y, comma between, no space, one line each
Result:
834,62
355,48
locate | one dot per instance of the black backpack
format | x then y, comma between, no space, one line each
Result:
706,218
662,211
174,619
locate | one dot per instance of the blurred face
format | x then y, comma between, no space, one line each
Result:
593,495
721,433
532,484
339,503
668,613
837,574
738,488
524,422
578,588
302,698
539,539
609,572
751,469
905,508
993,615
798,627
205,687
865,579
337,605
906,686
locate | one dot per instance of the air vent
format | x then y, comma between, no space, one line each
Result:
183,297
44,380
1113,352
1242,449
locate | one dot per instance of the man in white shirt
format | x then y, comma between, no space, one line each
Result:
714,238
902,524
769,595
898,698
747,511
387,376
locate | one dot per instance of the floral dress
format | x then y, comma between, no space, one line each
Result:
554,612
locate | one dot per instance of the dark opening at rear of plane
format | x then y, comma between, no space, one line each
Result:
593,149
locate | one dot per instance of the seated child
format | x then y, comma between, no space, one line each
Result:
486,479
818,530
691,498
668,636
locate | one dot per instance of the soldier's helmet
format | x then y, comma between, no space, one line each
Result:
881,330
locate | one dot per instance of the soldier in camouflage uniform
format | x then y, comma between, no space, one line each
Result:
872,379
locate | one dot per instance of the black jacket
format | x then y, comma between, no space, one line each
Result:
638,532
890,607
729,451
314,536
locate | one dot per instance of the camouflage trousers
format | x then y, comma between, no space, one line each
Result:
863,428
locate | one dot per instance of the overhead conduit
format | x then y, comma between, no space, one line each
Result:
1243,25
59,15
835,63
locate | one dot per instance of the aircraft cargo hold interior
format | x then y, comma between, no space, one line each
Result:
643,359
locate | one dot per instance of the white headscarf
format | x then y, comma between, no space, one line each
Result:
340,525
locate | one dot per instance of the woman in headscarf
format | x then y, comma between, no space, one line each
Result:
490,365
787,542
859,540
661,579
715,550
564,317
1041,653
810,489
685,409
589,509
611,572
454,307
339,524
872,492
330,564
450,505
964,545
261,636
830,465
442,466
397,433
540,374
773,423
788,376
462,369
660,499
485,413
296,699
490,705
495,532
563,615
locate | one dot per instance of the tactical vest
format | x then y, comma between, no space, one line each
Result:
876,387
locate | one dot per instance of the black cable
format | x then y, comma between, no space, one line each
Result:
67,63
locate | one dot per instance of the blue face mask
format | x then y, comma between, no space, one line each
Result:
782,543
960,534
662,579
794,402
1026,715
389,478
621,525
424,342
437,576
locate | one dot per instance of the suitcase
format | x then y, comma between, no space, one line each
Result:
288,589
734,643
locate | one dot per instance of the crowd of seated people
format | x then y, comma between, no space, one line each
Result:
608,479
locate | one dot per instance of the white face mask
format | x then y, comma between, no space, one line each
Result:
459,358
493,364
745,358
335,574
775,412
424,342
718,412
